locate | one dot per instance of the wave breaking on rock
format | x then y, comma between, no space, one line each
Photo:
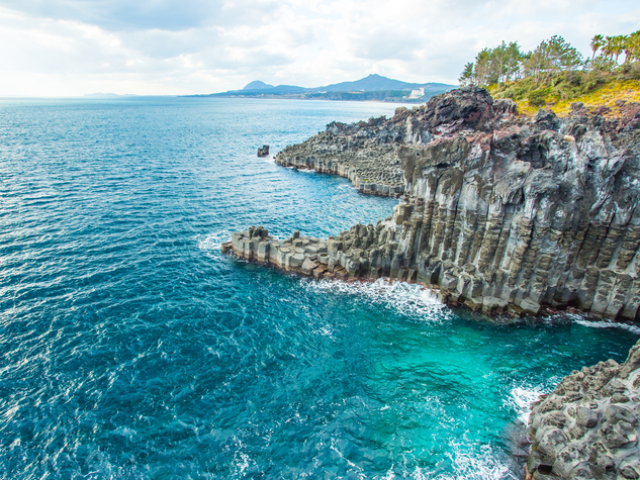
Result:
502,213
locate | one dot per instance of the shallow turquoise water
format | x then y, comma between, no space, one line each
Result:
131,348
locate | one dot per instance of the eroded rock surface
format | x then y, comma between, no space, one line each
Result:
588,428
502,212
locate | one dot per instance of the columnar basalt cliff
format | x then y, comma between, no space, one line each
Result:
588,427
501,212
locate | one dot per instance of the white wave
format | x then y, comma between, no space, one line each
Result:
521,399
125,432
390,474
406,298
581,320
241,461
608,324
214,240
481,464
243,464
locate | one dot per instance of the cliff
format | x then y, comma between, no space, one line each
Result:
588,428
502,212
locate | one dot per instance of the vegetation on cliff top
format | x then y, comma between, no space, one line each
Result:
555,74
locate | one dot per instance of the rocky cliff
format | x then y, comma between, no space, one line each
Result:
502,212
588,428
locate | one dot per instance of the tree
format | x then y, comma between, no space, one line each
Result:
483,68
467,76
536,62
514,62
596,42
499,59
618,45
613,47
562,56
493,65
551,57
632,47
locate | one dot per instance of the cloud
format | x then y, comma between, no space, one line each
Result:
71,47
112,14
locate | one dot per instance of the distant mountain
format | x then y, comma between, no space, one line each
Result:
372,83
373,87
257,85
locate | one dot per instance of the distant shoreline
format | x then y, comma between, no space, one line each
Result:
416,101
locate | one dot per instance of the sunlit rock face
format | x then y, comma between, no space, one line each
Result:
502,212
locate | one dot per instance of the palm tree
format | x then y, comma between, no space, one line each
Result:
613,47
607,48
618,46
596,42
632,47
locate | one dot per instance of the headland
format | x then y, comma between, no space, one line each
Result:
506,214
501,212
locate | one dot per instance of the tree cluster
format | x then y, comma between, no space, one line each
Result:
607,50
551,58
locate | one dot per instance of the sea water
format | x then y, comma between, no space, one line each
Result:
131,348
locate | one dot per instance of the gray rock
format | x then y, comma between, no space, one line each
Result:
589,436
505,213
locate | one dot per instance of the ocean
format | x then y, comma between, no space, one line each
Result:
131,348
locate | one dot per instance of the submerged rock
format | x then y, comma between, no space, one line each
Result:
588,427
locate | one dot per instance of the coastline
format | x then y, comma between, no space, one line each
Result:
513,258
494,206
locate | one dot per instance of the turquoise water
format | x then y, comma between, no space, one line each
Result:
131,348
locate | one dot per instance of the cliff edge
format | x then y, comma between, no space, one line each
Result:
503,213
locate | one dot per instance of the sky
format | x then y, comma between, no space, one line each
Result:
170,47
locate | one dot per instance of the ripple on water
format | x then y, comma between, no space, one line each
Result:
131,348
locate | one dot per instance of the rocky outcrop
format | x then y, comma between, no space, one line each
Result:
503,213
360,152
304,255
264,151
588,427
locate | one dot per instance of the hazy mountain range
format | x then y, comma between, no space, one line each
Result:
373,87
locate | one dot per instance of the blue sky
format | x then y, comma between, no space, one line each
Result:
73,47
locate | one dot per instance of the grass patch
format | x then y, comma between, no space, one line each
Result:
558,97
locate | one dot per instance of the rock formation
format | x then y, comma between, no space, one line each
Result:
501,212
588,428
264,151
365,153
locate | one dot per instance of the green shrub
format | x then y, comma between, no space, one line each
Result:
538,98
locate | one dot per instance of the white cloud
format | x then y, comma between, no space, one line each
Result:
72,47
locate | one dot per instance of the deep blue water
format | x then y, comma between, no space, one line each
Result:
131,348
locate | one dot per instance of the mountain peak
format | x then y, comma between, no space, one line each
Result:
372,83
257,85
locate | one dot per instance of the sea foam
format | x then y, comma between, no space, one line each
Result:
405,298
521,399
213,241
